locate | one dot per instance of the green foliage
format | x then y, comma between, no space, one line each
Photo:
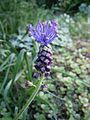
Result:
14,14
67,95
69,6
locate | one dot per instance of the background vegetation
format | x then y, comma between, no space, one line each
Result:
65,95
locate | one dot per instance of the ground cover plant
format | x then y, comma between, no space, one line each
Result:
60,92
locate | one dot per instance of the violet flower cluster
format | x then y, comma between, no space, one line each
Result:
43,33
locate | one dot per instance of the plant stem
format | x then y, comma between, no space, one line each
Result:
31,98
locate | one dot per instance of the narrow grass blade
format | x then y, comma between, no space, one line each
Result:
7,88
6,61
18,65
18,75
19,61
7,72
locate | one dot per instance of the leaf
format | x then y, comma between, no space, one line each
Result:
7,88
6,118
71,118
6,61
17,66
7,72
41,117
18,76
19,61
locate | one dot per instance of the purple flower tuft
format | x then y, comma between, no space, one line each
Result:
44,32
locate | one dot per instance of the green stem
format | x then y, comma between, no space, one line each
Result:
34,93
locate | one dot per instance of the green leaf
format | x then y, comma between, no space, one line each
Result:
7,72
6,61
6,118
71,118
18,75
18,65
7,88
19,61
41,117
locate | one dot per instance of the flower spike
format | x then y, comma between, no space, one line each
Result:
43,33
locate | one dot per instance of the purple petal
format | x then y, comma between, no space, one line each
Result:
36,75
44,32
51,39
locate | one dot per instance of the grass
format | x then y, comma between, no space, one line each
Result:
67,93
